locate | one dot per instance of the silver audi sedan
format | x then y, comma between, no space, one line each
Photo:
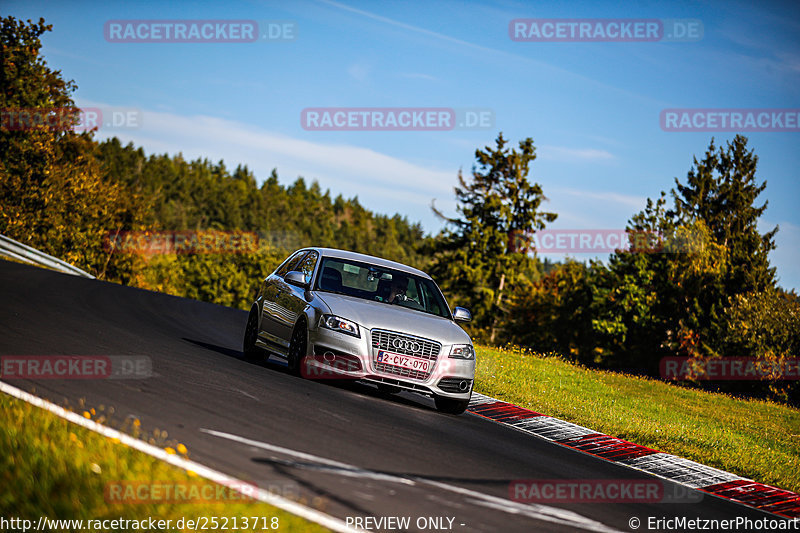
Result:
343,315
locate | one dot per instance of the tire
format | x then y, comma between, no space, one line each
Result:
450,406
297,347
388,389
249,348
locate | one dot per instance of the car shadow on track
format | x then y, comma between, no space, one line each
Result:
216,348
335,469
267,362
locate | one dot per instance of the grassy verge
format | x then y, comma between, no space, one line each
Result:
754,439
50,467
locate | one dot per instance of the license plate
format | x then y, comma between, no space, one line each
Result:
405,361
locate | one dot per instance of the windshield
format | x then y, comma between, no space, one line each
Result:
381,284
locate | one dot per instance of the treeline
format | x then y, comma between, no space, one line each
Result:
190,195
179,195
64,193
703,290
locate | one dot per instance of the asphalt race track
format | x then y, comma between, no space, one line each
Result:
345,448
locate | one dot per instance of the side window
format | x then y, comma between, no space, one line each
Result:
431,302
307,265
290,265
412,291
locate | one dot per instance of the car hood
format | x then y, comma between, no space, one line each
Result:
370,315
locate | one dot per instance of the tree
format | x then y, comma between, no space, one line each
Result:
476,258
52,192
555,314
655,303
721,190
674,302
766,325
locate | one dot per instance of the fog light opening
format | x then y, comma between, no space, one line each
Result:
463,385
329,357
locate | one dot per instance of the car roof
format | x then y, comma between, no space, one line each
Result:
364,258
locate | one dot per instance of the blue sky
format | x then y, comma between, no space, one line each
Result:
592,108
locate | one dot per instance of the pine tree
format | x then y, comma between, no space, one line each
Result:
477,257
675,302
721,190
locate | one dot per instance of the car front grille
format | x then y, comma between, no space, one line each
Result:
403,344
408,345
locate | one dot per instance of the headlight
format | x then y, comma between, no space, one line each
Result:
342,325
462,351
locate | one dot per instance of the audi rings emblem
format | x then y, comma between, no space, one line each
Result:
407,345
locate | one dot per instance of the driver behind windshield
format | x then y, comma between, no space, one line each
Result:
397,291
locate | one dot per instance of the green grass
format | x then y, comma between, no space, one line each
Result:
751,438
51,467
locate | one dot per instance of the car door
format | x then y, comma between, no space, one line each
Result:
292,301
272,314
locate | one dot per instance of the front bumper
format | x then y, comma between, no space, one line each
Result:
342,356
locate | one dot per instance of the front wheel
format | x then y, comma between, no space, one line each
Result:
297,347
450,405
249,348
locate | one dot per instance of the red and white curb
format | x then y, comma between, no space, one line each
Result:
666,466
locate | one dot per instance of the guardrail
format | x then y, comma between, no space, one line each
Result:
20,252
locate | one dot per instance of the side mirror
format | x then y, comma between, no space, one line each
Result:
461,314
296,278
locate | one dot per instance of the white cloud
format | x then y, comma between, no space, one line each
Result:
562,153
418,76
622,200
470,47
383,183
358,72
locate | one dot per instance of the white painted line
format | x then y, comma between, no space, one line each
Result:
334,466
295,508
533,510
